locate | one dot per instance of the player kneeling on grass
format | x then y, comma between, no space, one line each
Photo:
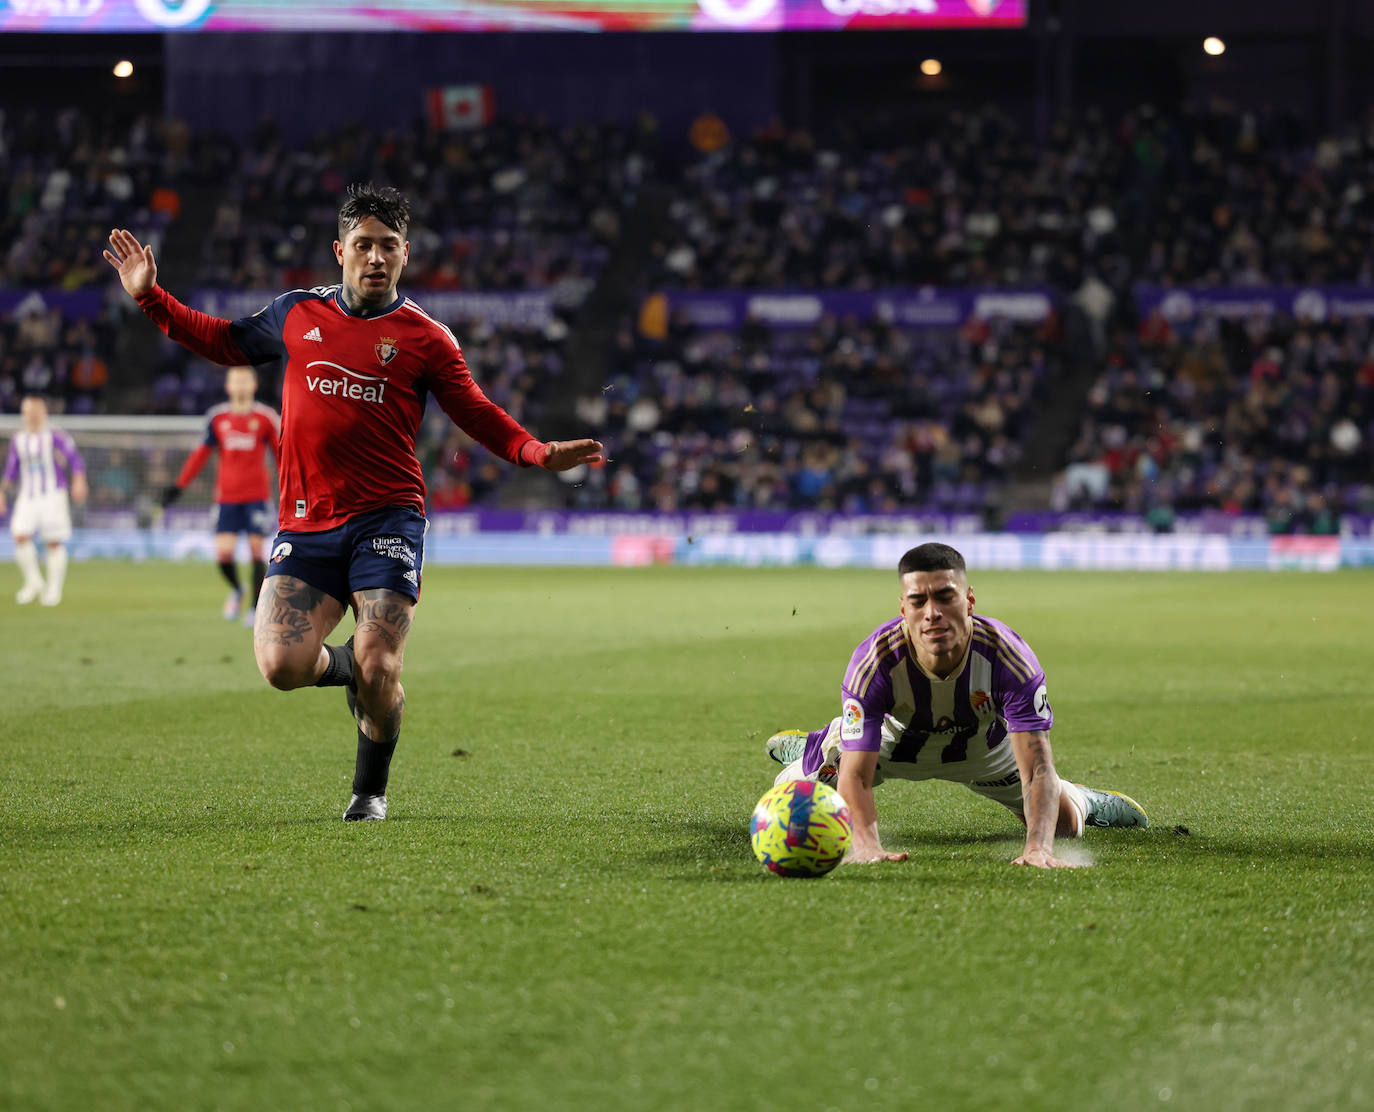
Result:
359,360
941,693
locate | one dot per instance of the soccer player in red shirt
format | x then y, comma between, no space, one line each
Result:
359,360
242,431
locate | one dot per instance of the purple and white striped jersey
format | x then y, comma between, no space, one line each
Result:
893,706
42,462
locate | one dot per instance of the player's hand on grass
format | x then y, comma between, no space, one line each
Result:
871,854
563,455
169,495
133,261
1043,859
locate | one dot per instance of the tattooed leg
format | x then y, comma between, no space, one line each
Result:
293,619
379,642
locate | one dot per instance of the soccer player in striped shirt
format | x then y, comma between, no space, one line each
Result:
244,432
358,360
942,693
43,465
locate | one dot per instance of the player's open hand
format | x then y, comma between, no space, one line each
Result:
1043,859
563,455
134,261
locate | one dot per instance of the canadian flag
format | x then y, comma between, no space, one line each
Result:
460,106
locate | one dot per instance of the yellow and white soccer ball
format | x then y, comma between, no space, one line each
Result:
801,828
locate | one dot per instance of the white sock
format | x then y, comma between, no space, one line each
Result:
57,568
1079,801
26,556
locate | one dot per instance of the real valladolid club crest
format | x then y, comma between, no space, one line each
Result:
386,350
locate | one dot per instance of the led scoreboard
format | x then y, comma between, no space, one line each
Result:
87,16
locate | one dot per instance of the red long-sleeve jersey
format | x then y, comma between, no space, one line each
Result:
353,395
240,439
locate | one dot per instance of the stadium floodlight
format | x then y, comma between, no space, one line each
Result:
124,68
931,67
1213,46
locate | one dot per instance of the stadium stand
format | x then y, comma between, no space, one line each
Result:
511,206
970,204
849,415
1265,415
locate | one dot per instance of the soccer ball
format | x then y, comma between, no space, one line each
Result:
801,828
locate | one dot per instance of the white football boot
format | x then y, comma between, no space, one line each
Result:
366,808
786,746
1108,808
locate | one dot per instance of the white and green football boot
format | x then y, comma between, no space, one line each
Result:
1108,808
786,746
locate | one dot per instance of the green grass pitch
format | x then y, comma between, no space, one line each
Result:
563,911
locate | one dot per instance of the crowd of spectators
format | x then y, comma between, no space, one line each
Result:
1212,196
971,203
65,356
855,416
1265,416
1224,197
66,180
509,206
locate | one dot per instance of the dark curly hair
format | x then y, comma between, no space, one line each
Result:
387,204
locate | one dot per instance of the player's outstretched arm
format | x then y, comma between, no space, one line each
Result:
1040,794
207,336
856,789
564,455
133,261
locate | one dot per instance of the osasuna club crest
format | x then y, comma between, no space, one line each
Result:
386,350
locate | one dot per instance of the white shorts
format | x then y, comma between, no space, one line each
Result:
49,514
992,773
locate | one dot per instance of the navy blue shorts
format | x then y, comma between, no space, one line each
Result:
384,548
244,517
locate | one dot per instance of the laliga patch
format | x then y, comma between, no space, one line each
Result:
1042,702
281,552
852,721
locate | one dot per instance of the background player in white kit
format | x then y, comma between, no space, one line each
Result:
43,465
942,694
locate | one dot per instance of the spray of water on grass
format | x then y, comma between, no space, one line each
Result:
1074,854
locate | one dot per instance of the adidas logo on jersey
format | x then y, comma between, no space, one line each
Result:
314,334
411,577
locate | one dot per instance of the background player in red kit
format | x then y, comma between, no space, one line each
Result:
359,360
242,431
